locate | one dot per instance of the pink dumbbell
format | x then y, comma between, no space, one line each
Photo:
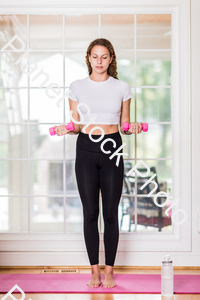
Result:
69,126
126,126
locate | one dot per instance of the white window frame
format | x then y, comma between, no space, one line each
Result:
129,243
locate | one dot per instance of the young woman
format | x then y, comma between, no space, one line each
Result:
104,96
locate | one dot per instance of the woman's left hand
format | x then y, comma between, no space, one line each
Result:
135,128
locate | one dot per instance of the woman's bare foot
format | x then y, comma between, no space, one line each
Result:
108,278
95,281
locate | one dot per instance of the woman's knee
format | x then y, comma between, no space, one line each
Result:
110,217
91,215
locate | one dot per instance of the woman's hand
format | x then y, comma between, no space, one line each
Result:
135,128
61,130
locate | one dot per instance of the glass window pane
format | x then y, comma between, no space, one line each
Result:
70,146
46,32
43,109
153,68
13,69
156,142
10,66
163,169
127,198
12,25
80,30
125,66
46,177
118,29
150,216
14,177
75,67
13,141
71,185
154,31
43,145
153,105
13,105
74,214
13,214
47,70
47,214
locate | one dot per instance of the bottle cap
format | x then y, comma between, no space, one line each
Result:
167,259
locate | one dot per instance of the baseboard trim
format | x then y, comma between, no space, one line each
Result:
128,268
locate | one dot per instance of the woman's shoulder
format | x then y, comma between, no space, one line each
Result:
78,82
120,82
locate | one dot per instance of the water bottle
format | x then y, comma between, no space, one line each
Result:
167,277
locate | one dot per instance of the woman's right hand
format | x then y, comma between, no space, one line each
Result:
61,130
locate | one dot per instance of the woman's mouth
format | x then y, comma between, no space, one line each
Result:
99,67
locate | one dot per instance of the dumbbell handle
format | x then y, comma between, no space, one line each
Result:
69,126
126,126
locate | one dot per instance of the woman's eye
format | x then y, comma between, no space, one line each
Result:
103,57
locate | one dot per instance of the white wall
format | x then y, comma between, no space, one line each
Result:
195,109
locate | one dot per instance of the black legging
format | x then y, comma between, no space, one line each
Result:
94,170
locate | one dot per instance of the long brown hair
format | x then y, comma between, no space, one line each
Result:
112,69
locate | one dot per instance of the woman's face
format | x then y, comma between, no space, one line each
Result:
100,57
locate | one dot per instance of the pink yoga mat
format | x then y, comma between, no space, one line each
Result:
77,283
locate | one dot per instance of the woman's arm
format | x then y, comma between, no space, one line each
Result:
61,129
125,114
125,117
75,115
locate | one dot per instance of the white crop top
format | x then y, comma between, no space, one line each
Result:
104,99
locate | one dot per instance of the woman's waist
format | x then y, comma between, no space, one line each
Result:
93,142
99,129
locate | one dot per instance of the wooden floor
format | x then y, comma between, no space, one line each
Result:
86,270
